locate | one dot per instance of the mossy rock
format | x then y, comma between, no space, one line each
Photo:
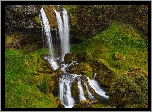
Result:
75,91
48,85
12,41
129,89
136,106
105,74
82,68
118,56
83,104
68,58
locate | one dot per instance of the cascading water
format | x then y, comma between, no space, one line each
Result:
66,80
63,27
89,93
94,84
45,23
65,83
81,94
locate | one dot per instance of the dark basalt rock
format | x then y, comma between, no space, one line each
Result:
20,16
23,21
88,20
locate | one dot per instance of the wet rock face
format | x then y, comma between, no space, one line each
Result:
20,16
23,22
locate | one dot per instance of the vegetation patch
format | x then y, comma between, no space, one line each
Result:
21,89
130,90
117,38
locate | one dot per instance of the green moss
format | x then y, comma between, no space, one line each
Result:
120,38
118,56
26,96
98,105
75,91
36,19
20,83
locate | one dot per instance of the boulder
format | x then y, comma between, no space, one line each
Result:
75,91
69,58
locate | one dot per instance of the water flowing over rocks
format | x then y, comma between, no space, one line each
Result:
71,70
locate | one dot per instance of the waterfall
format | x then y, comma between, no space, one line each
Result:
46,27
89,93
47,32
65,83
81,94
94,84
66,80
66,46
63,28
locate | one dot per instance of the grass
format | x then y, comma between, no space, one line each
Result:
20,92
120,38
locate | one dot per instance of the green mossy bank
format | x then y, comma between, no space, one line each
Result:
21,85
117,39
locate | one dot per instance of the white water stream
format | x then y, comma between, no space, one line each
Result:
63,26
46,29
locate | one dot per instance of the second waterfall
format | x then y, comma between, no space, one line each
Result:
63,26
